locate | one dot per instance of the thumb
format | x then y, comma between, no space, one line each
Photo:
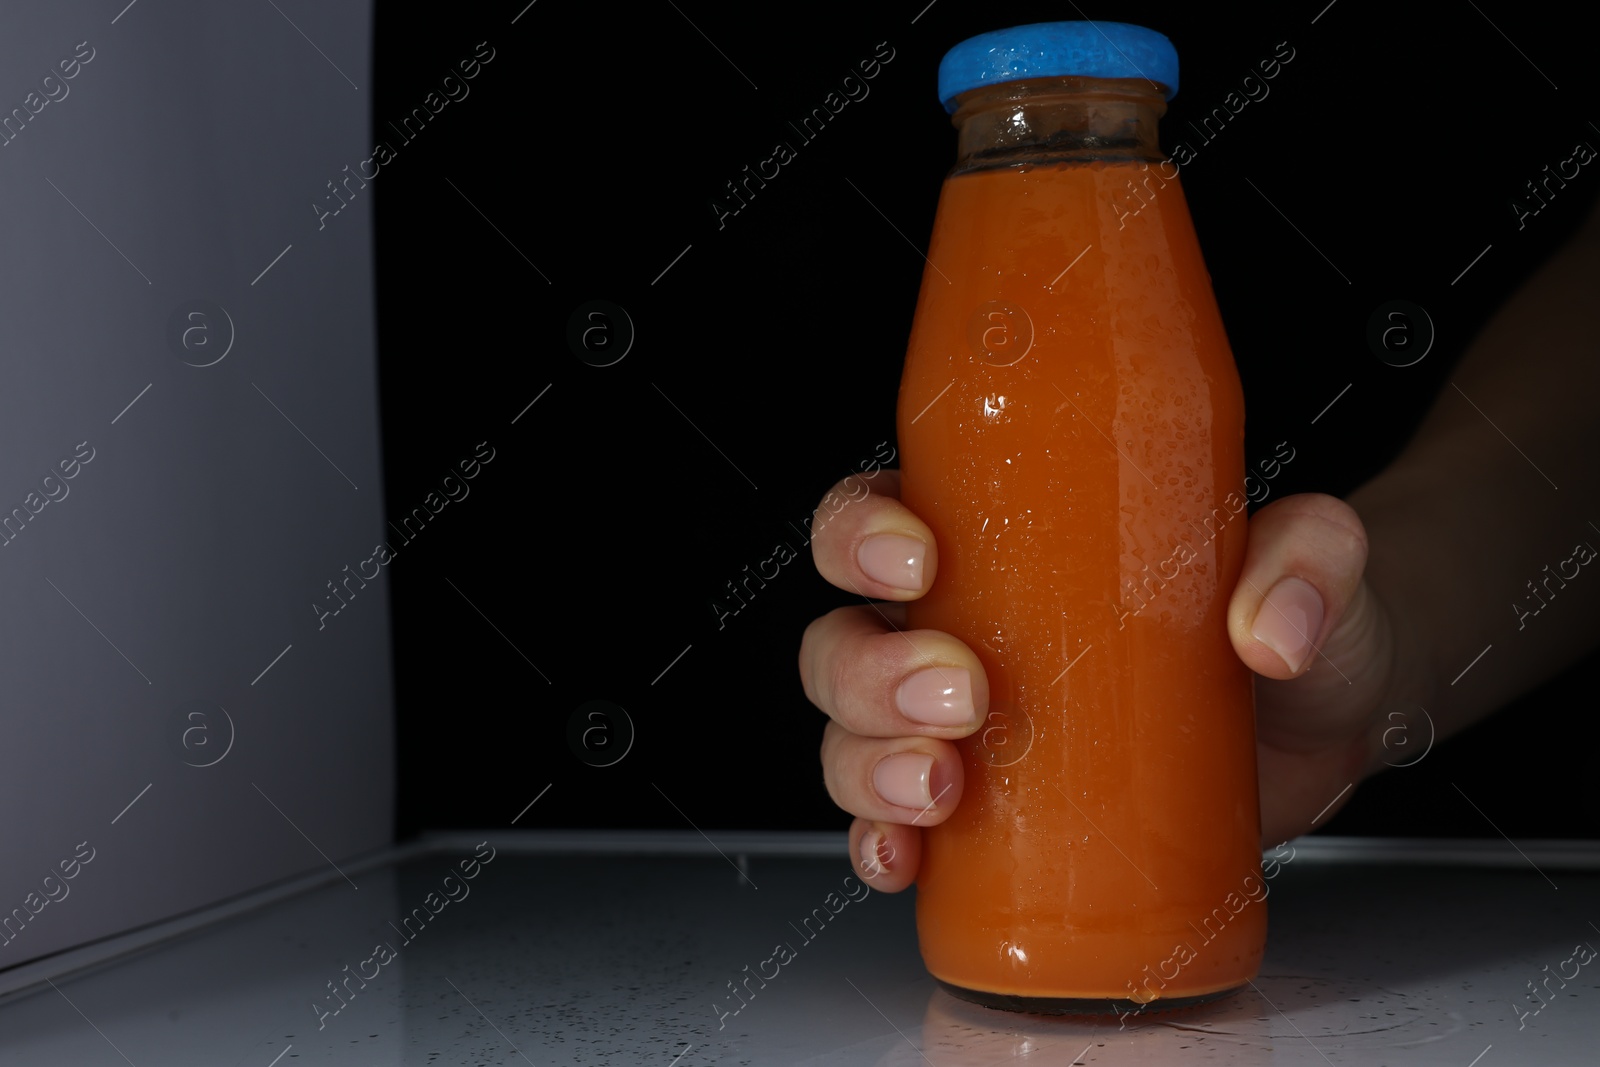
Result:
1302,617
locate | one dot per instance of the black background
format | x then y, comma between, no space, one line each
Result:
594,544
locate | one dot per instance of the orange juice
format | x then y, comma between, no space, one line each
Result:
1071,428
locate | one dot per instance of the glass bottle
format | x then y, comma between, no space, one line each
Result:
1072,429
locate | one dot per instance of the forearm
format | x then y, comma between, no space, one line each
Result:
1471,513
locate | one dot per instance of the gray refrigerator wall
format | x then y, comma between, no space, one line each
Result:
194,665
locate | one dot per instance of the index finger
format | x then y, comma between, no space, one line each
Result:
867,542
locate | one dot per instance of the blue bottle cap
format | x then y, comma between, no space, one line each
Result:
1057,49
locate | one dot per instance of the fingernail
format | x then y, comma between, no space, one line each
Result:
893,560
938,696
872,863
903,779
1289,620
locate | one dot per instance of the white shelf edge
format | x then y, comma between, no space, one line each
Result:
25,979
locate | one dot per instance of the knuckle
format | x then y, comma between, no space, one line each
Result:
863,670
826,749
1339,523
820,649
1347,533
830,779
807,660
849,490
833,792
842,675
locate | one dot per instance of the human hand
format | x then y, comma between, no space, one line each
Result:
1322,643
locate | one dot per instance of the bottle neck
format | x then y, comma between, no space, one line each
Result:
1058,120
